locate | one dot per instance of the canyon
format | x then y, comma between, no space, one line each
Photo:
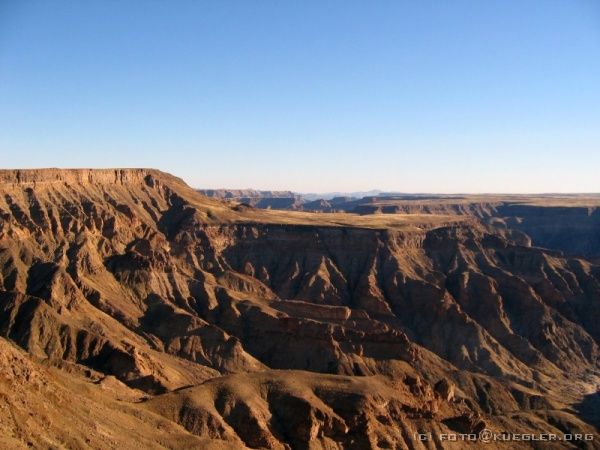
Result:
134,310
566,222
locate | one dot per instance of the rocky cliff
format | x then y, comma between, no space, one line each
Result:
265,329
570,224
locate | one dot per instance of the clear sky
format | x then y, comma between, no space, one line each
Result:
413,96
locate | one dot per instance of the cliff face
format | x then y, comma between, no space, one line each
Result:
569,223
27,177
573,230
472,297
434,326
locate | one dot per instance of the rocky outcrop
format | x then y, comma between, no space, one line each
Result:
277,410
42,407
30,177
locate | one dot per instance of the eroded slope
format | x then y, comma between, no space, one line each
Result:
134,275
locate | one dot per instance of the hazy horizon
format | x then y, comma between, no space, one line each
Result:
373,191
467,97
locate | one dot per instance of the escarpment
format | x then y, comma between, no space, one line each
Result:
270,329
571,229
28,177
569,223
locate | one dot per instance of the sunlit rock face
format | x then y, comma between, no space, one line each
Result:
230,326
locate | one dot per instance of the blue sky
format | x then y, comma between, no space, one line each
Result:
413,96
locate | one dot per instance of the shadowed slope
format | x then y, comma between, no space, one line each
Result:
133,274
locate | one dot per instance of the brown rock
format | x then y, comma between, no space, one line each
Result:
445,389
131,274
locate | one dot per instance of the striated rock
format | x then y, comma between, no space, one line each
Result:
49,408
272,329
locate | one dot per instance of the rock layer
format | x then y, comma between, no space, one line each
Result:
378,330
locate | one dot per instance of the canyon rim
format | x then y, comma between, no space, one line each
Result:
136,311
